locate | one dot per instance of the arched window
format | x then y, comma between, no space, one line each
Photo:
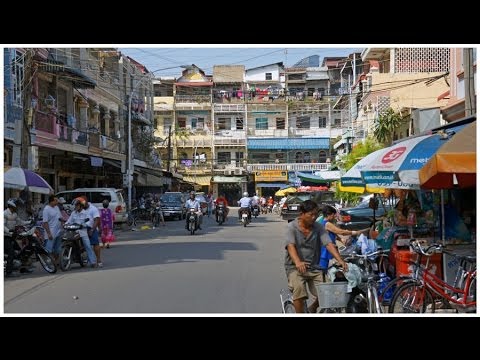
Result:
298,157
322,156
306,157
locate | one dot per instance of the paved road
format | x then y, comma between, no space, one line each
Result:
220,269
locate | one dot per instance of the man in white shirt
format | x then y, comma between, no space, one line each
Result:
93,225
53,226
245,203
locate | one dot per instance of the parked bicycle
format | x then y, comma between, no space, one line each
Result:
421,294
370,264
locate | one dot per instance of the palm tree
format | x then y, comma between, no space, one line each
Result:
387,123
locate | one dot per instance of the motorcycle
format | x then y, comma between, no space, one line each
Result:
72,247
245,219
220,214
255,211
31,247
192,221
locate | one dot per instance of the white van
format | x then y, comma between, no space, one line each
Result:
96,196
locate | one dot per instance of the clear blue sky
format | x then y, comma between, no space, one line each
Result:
159,58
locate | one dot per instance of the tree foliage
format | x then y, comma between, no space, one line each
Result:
359,151
387,123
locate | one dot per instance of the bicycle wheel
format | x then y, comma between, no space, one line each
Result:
386,294
288,308
412,298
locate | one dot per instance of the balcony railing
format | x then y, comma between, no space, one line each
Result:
289,167
193,99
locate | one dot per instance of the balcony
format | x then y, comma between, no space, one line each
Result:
196,99
268,132
289,167
230,137
229,108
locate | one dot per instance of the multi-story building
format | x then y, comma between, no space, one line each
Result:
240,129
409,80
77,123
455,107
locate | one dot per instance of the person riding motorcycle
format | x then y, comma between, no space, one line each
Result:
194,203
10,220
255,203
221,200
245,204
78,216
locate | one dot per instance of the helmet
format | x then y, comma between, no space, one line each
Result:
11,202
105,203
79,201
245,194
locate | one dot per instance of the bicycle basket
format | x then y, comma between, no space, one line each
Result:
332,295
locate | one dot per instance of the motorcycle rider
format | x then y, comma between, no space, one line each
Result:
78,216
245,204
10,220
255,201
194,203
221,200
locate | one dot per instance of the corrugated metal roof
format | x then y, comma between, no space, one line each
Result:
288,143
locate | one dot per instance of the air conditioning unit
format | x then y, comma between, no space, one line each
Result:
238,171
227,172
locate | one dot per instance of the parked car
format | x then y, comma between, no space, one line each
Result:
361,216
173,205
291,206
96,196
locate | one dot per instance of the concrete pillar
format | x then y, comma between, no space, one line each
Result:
106,119
82,117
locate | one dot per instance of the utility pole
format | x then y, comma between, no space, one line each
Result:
25,145
470,106
169,147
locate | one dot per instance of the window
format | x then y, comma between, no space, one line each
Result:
268,76
298,157
322,156
224,124
261,123
239,155
194,123
182,123
224,158
18,73
280,123
337,123
303,122
167,122
200,123
322,122
239,122
306,157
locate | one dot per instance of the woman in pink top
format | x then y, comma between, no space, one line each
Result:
106,222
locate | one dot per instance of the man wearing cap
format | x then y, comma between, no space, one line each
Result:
52,218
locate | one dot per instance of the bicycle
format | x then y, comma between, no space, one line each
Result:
420,294
132,217
370,277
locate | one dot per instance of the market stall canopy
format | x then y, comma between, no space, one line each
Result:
401,162
352,180
23,179
316,179
284,192
454,164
